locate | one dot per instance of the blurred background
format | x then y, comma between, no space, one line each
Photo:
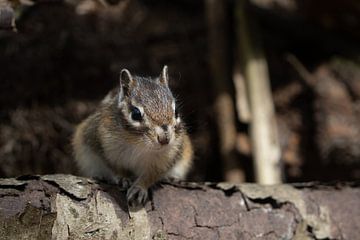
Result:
270,89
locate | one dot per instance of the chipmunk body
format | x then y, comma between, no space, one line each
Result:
135,138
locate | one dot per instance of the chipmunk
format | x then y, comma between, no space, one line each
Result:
135,138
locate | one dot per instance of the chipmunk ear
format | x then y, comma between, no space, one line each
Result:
164,76
126,81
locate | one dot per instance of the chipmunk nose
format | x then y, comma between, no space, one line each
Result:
163,139
163,134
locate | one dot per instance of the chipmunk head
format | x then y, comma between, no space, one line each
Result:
148,109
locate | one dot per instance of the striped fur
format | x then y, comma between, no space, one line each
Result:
111,146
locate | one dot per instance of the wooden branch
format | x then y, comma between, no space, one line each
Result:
221,84
69,207
264,135
305,75
242,98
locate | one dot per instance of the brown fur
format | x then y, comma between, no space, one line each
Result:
112,146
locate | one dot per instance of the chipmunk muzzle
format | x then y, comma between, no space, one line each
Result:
164,134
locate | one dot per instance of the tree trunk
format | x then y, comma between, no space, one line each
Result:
216,13
69,207
263,127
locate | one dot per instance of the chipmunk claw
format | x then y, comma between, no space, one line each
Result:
124,183
136,195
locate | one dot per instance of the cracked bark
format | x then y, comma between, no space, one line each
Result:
69,207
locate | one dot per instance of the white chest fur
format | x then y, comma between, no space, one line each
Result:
137,158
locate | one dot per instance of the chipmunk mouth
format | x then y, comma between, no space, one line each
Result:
163,140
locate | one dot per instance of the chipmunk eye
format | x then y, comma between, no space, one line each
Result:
135,114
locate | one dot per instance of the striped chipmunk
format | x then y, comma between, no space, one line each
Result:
135,137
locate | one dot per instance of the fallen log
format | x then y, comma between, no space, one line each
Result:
69,207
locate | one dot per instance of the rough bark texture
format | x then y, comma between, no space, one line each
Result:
69,207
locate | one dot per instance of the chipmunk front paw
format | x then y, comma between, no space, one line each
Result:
136,195
124,182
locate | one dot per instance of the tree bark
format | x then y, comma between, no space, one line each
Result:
69,207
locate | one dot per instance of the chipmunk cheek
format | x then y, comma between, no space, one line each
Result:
151,136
